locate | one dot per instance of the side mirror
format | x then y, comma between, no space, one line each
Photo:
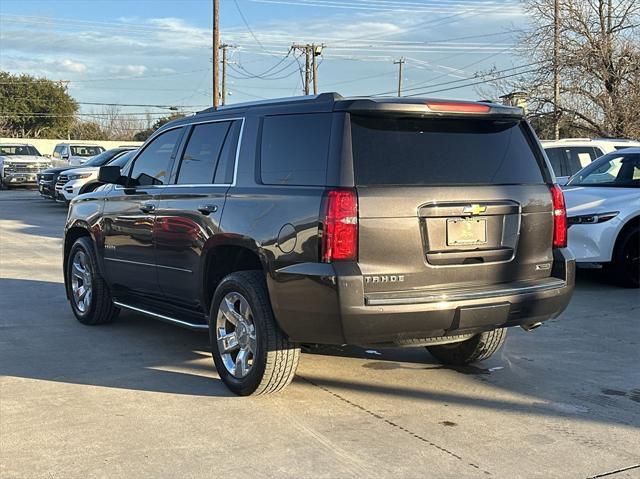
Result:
111,175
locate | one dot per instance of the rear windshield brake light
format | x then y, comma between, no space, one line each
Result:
458,107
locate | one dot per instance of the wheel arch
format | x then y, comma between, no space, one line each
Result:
89,187
224,257
77,230
631,223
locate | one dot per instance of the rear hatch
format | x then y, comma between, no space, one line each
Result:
449,202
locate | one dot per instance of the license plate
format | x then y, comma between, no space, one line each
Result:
466,231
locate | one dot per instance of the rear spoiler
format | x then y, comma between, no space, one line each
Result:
426,106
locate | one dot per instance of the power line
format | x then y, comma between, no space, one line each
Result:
474,83
466,79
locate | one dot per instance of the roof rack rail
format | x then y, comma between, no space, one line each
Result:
322,97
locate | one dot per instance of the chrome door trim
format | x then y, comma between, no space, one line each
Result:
162,317
208,185
147,264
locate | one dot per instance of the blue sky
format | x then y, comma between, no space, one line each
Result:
158,51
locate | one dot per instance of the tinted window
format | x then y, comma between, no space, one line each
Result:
86,150
201,155
433,151
556,156
152,166
579,157
611,170
224,171
294,149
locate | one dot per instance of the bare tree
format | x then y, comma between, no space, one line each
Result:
599,66
118,125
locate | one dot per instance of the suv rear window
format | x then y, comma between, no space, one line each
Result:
436,151
294,149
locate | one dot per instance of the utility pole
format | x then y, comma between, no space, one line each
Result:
223,95
556,69
316,52
399,62
307,69
216,46
311,51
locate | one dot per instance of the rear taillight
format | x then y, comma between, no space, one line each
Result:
340,226
559,218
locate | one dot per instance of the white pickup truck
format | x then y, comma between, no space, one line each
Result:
19,164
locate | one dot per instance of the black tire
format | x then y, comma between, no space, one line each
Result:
477,348
100,309
275,360
625,269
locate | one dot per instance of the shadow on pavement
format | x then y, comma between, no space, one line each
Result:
44,341
47,218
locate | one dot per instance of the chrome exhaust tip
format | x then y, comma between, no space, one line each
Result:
531,327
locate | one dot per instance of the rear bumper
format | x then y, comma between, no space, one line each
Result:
325,303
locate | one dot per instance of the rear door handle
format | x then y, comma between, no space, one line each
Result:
147,207
207,209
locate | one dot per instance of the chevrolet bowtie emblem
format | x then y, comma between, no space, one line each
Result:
474,209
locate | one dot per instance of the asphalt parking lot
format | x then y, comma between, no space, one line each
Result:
141,398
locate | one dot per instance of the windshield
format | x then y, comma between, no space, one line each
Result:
615,169
104,157
13,150
122,159
86,150
434,151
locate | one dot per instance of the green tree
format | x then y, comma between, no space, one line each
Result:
144,134
34,107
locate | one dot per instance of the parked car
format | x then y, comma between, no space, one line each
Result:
323,219
74,182
603,207
569,155
76,153
19,164
47,179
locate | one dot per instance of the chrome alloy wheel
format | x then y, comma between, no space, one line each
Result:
81,276
236,334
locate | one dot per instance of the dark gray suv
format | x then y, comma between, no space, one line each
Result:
327,220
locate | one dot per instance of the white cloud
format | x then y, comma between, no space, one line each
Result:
134,70
71,66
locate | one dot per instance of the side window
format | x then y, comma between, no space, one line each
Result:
294,149
227,162
64,151
151,167
579,157
201,156
555,156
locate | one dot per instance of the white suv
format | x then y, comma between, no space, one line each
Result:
77,181
76,154
570,155
603,209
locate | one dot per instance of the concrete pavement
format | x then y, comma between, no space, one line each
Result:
140,398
